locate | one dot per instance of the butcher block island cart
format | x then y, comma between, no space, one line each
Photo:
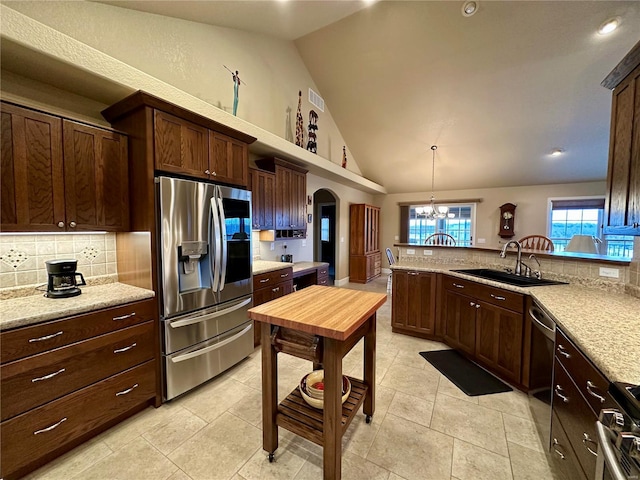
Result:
320,324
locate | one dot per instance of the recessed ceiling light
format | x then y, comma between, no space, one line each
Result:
556,152
609,26
469,8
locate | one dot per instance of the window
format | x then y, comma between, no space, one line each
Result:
458,224
324,229
585,216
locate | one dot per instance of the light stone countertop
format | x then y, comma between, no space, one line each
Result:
604,325
18,312
263,266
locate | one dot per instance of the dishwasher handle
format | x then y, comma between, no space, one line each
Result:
540,320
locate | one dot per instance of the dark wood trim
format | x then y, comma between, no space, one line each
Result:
269,165
141,99
624,68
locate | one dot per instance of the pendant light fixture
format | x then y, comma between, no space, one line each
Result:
431,211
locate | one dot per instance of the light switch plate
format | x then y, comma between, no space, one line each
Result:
609,272
427,252
411,251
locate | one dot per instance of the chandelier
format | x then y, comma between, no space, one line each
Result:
433,212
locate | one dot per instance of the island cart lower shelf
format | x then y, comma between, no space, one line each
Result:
297,416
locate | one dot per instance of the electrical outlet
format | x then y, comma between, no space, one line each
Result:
427,252
272,246
341,239
609,272
304,243
481,241
411,251
396,238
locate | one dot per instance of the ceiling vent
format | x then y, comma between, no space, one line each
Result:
316,100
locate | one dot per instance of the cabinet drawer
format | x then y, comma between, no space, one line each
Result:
576,418
562,452
33,381
267,279
493,295
25,341
592,384
323,276
27,437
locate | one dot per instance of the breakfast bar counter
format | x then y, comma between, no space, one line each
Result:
320,324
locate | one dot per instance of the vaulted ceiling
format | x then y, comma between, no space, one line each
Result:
496,91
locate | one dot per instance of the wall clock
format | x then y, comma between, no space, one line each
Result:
507,220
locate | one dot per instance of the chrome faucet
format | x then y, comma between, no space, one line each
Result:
503,254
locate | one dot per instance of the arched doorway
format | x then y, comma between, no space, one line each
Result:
325,221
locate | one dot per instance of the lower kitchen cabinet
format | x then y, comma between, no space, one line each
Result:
66,380
579,393
563,454
269,286
414,303
486,323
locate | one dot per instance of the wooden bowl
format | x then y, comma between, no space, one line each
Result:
315,377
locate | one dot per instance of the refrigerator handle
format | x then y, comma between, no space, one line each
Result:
223,226
214,237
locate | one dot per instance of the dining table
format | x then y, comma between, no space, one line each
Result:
320,324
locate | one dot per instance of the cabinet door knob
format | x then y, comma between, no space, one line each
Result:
72,224
477,305
214,174
61,224
471,304
207,172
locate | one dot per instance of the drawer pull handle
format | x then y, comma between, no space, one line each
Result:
585,441
591,385
46,337
47,377
128,390
264,280
558,452
498,297
124,349
457,285
557,391
323,272
284,275
277,289
562,351
124,317
48,429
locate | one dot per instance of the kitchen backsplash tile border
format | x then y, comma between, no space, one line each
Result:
23,257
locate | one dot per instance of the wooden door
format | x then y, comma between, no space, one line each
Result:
180,146
263,199
499,340
96,178
623,178
31,171
283,198
459,324
228,160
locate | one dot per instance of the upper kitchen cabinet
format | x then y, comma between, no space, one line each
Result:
622,204
60,175
181,146
263,196
184,143
290,198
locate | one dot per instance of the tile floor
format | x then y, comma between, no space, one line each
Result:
424,428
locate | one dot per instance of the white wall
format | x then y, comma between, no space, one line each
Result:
190,56
531,211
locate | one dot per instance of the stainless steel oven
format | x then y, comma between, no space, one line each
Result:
618,432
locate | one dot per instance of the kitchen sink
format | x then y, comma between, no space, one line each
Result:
510,278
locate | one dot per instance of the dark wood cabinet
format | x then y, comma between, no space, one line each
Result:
622,203
61,175
414,303
562,452
180,146
290,197
269,286
96,182
486,323
228,160
66,380
263,193
579,393
365,257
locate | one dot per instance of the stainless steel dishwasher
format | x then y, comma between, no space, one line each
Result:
543,335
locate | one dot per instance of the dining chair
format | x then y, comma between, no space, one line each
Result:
440,238
392,260
537,242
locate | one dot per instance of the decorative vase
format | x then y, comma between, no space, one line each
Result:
299,122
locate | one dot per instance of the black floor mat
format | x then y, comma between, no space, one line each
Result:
468,377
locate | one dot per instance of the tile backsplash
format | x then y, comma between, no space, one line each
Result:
22,257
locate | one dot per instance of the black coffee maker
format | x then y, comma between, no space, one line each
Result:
62,279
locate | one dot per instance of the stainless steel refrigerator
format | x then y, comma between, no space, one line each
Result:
205,280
